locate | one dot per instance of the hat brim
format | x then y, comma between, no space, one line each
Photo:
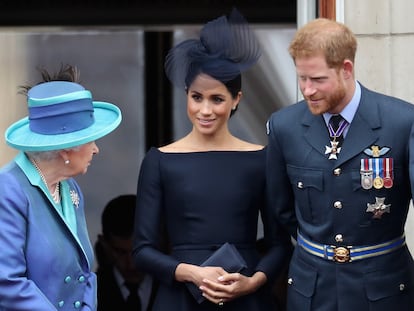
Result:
107,118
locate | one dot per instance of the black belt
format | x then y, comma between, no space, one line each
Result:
349,253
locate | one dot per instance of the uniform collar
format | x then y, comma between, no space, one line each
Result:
350,109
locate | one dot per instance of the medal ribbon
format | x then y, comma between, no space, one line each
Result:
341,128
388,172
378,168
388,168
366,173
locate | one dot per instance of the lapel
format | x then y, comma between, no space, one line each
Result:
80,238
316,133
74,219
362,133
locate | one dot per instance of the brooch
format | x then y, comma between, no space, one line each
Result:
74,197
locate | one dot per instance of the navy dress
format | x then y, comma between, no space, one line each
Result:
204,199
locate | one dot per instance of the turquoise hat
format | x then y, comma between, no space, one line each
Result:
62,115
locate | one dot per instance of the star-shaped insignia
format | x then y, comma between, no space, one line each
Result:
333,150
378,208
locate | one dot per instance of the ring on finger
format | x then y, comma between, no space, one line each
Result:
221,302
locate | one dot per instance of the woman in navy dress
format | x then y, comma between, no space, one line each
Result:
208,187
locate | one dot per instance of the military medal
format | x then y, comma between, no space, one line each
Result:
334,149
378,208
366,174
366,179
377,172
388,172
378,181
388,182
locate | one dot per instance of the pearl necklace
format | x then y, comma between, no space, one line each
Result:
56,193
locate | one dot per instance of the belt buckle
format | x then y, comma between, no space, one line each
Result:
342,254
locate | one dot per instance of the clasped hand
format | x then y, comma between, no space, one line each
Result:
218,285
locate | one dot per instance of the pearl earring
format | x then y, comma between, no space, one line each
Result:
67,162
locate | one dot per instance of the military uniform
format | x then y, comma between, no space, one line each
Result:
348,211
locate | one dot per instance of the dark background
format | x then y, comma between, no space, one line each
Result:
67,13
130,12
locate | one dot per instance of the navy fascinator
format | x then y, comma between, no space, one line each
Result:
227,47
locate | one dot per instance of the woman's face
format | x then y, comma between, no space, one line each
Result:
80,158
209,104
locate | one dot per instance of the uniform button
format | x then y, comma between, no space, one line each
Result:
290,281
81,279
300,184
339,238
337,204
61,303
77,304
68,279
402,287
337,171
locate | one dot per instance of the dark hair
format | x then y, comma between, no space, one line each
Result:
65,73
118,216
234,86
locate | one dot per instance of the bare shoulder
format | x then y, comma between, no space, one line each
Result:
247,146
178,146
186,144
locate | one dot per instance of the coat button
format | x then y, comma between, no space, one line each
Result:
337,171
81,279
68,279
402,287
300,184
77,304
61,303
339,238
337,204
290,281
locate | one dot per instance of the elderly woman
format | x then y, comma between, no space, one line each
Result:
46,256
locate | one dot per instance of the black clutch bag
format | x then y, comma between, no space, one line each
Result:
227,257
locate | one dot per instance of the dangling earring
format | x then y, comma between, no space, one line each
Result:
67,162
